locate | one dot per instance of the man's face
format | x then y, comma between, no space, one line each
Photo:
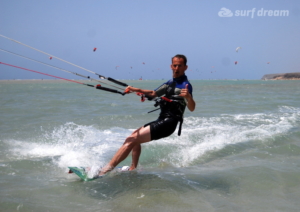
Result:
178,67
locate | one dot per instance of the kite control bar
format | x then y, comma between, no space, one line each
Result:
109,89
112,80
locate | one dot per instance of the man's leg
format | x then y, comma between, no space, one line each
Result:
139,136
136,152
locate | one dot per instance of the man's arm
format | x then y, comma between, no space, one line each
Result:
149,93
191,105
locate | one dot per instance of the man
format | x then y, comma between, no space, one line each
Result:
179,91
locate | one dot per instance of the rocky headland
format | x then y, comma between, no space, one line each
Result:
285,76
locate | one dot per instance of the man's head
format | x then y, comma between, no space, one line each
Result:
178,65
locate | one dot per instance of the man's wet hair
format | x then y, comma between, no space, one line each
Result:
182,57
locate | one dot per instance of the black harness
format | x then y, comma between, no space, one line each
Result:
170,105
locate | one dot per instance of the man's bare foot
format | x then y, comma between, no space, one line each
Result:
132,167
106,169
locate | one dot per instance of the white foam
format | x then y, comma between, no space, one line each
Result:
72,145
201,136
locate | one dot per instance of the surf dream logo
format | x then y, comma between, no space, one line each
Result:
226,13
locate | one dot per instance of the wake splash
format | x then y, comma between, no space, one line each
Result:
202,137
71,145
77,145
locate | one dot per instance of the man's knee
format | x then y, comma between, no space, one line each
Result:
129,142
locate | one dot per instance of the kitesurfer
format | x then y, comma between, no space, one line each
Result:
178,93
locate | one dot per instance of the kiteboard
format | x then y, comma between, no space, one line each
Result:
83,173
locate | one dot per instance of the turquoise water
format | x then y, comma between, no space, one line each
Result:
239,150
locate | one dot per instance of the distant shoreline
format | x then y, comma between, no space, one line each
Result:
278,77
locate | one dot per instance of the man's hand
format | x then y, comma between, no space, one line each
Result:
129,89
185,92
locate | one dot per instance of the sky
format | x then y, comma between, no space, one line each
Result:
137,39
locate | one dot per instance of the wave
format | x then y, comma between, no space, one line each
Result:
202,139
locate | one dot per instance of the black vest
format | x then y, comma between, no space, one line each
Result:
174,109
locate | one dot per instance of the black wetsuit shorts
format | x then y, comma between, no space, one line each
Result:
162,127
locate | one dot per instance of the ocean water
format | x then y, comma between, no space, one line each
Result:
239,150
